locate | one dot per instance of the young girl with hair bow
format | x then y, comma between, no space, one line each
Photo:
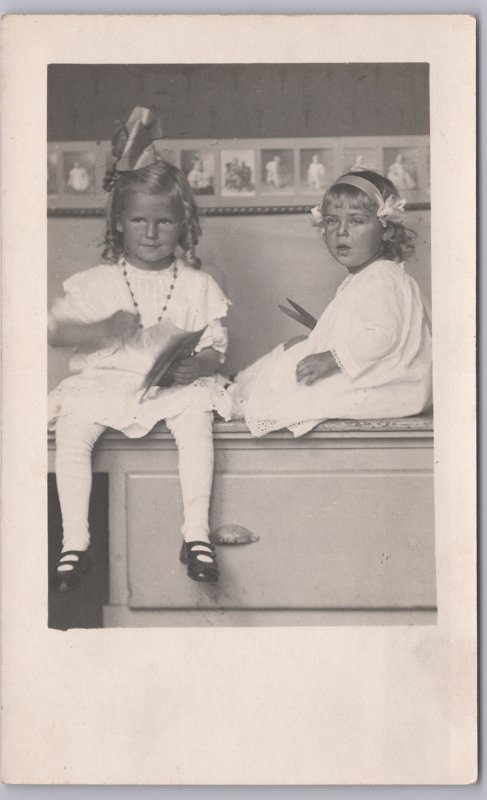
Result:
369,355
116,316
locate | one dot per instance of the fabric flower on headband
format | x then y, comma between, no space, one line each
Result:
316,216
390,210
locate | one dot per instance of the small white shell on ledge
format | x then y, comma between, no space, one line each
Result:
233,534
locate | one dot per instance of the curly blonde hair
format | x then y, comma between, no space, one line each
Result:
162,179
341,193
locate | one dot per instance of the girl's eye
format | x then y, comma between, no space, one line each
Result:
330,221
357,221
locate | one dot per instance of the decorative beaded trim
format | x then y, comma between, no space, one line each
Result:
217,211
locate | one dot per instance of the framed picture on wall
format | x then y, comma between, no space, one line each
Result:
402,165
237,172
198,164
361,157
316,169
277,171
75,172
246,176
78,172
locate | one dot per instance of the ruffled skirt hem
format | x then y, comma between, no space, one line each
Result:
113,399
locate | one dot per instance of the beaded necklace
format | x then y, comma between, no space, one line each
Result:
174,268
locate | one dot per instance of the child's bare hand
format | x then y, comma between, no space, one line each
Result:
295,340
184,370
122,325
315,367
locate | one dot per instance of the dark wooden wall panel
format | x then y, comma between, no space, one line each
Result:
240,100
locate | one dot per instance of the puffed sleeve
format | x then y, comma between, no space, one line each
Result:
371,330
213,306
87,299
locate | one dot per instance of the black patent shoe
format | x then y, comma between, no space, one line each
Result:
199,569
80,562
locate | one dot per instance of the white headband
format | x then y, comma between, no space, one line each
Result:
389,210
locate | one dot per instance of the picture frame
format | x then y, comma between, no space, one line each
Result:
75,172
245,176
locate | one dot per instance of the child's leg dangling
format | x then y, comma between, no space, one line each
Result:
75,438
193,432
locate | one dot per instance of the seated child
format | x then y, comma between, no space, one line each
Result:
115,315
369,355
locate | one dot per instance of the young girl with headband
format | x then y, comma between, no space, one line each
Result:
116,315
369,355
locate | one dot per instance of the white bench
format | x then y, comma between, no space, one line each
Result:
345,517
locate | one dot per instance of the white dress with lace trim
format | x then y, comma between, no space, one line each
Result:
107,385
378,333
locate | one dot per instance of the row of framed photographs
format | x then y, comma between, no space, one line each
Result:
247,173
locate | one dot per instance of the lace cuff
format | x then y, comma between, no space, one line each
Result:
347,363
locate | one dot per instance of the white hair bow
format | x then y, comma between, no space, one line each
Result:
317,217
390,210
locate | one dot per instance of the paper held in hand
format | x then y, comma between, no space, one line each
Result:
180,344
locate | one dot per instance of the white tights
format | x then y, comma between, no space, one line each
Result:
75,438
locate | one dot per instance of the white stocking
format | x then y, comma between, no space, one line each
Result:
75,438
193,432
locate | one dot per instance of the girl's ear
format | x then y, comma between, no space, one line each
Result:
388,234
118,225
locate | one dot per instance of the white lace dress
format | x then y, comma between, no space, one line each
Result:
107,384
378,332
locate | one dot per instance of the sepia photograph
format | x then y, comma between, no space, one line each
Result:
79,172
361,158
297,367
401,167
317,169
277,171
199,168
237,172
239,424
